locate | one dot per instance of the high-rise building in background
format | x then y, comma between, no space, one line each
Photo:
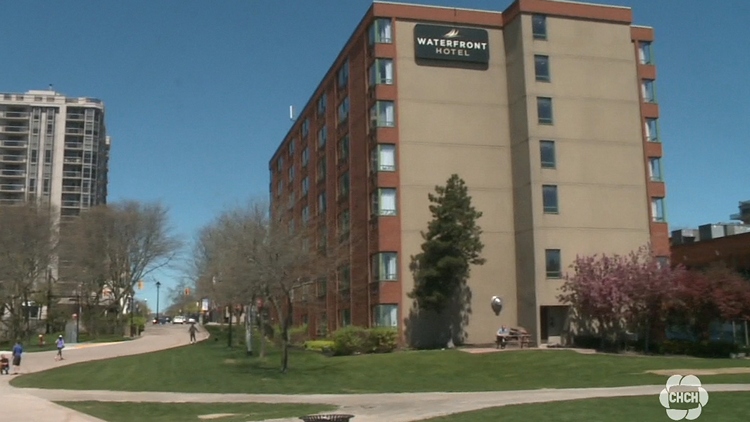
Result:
547,110
53,149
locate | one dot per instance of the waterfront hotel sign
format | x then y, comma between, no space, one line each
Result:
450,43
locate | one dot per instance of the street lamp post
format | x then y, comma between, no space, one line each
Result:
132,308
158,285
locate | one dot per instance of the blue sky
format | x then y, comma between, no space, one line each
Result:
197,92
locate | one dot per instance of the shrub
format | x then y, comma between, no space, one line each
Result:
699,349
319,345
382,340
350,340
297,335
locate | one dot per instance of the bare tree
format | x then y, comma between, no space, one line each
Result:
28,239
130,241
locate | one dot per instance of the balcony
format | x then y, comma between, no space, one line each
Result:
74,145
71,204
11,201
74,116
14,129
12,173
71,189
72,160
14,115
72,174
12,188
14,144
13,158
74,131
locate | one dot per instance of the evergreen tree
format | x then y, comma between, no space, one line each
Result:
451,245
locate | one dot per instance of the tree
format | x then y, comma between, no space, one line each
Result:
130,241
451,245
28,240
702,297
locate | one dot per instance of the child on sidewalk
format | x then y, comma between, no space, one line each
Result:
60,345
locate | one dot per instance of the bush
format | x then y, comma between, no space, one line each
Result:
355,340
699,349
382,340
350,340
297,335
319,345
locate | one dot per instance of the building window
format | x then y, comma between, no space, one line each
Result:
549,199
380,32
384,157
547,153
322,202
321,169
305,186
305,128
344,110
344,223
654,167
48,157
343,149
343,75
381,72
279,188
649,92
291,174
652,130
541,68
305,157
544,110
384,202
280,165
345,278
657,210
539,27
346,317
323,238
385,316
552,263
305,215
322,137
662,261
383,114
33,156
644,52
291,147
344,186
322,103
385,266
32,189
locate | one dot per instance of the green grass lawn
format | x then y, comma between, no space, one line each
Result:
721,407
178,412
210,366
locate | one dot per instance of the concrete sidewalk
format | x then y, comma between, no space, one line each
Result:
20,405
402,407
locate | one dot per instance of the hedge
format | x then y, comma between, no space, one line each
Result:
358,340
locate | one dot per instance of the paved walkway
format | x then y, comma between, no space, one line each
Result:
35,404
17,404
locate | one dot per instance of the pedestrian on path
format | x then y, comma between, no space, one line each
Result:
192,330
17,352
60,345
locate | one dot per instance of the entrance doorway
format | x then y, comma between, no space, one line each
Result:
552,321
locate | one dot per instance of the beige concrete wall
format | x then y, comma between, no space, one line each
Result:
454,120
600,169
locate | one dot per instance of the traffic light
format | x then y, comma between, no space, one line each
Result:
140,284
187,291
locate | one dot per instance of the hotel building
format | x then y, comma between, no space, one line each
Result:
547,110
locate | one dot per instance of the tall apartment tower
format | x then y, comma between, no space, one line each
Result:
547,110
54,149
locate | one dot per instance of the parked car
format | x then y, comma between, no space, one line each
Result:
179,319
191,320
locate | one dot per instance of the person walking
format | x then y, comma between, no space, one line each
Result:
17,352
60,346
192,330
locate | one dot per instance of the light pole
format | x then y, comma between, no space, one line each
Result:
158,285
132,308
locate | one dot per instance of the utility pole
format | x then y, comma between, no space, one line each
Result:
158,285
132,308
47,329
